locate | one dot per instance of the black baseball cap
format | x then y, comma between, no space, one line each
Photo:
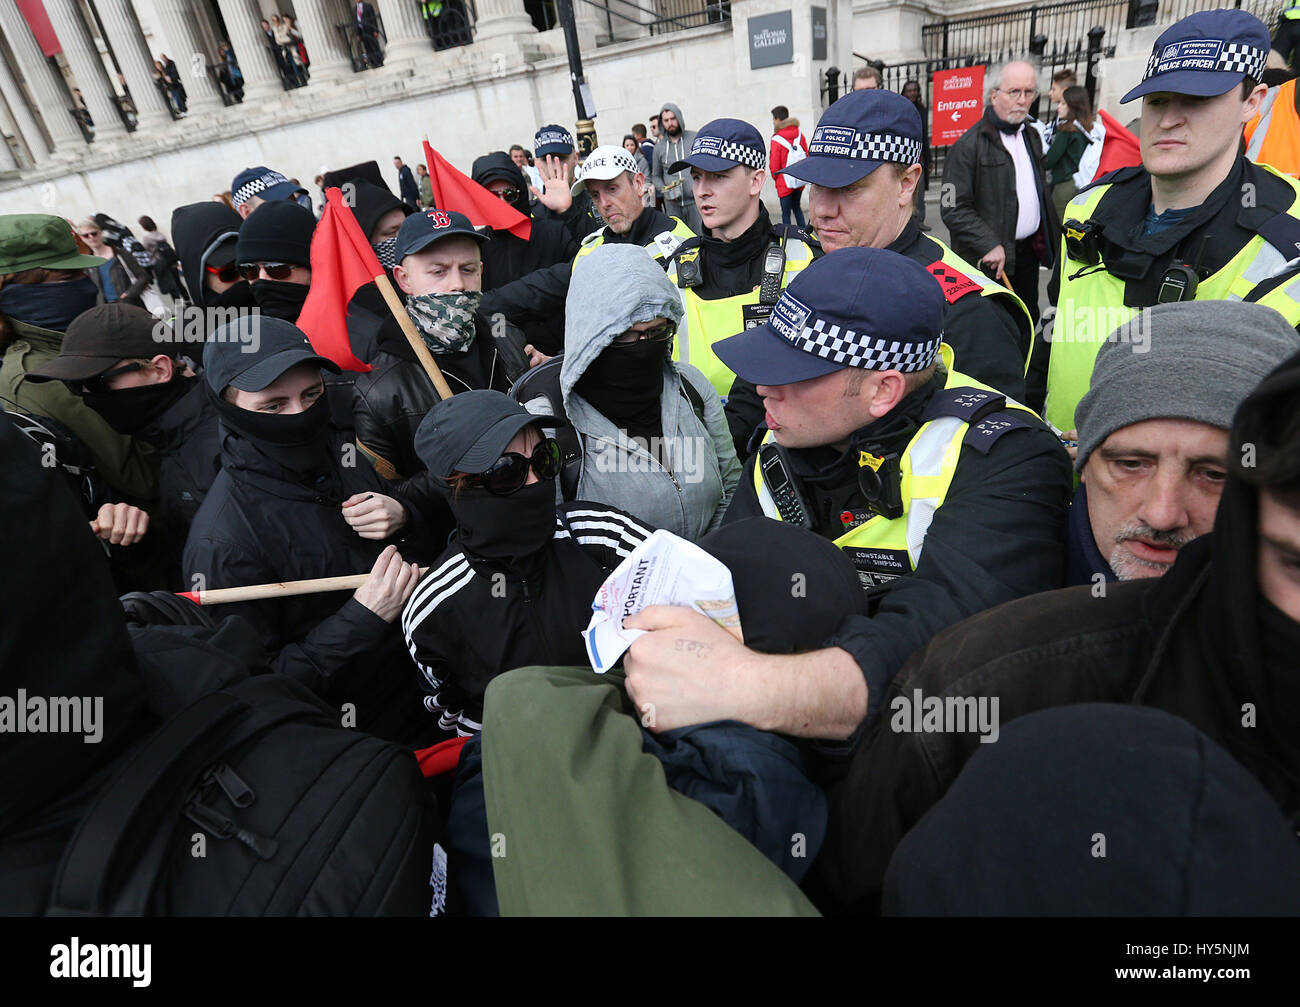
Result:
420,230
254,350
98,338
469,431
1206,54
856,135
552,139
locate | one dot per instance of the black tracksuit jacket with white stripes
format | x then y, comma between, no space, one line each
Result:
470,619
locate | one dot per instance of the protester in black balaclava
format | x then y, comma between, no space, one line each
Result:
206,236
292,502
274,255
514,587
124,364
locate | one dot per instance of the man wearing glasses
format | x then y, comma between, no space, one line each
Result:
997,211
274,256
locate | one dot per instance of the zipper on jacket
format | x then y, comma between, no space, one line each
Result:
219,826
239,793
658,464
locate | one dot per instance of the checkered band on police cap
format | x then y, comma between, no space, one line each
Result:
1212,55
799,325
845,141
260,184
729,150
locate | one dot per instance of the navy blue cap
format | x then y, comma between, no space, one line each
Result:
262,182
1206,54
469,431
856,135
551,140
856,307
255,349
420,230
722,144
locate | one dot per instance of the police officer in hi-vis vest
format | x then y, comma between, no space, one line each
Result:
731,276
852,204
1197,220
948,498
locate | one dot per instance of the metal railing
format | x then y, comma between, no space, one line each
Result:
285,58
453,26
663,17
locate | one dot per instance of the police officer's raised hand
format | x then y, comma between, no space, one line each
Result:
390,583
373,515
994,261
120,524
555,194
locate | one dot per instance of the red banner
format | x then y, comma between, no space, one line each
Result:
33,12
958,103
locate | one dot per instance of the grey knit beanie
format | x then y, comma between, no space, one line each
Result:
1191,360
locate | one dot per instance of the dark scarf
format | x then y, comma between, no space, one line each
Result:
50,306
1082,557
1001,125
280,298
734,267
127,410
298,444
625,384
505,529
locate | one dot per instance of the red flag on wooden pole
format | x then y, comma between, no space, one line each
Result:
453,190
342,262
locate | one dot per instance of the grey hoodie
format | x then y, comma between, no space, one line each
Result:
612,289
668,151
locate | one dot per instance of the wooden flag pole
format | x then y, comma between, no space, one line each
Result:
422,353
258,592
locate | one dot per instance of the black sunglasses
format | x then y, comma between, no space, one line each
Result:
275,270
99,383
659,334
510,471
509,194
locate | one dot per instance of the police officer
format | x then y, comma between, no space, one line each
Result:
556,163
851,203
1196,221
610,178
947,497
731,276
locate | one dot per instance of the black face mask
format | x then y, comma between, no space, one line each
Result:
298,441
238,296
626,383
129,409
50,306
280,298
505,528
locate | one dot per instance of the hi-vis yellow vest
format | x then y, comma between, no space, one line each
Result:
1091,306
660,247
882,548
705,322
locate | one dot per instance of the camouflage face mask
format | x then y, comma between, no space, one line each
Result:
445,321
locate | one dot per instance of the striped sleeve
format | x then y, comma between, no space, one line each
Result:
610,533
434,588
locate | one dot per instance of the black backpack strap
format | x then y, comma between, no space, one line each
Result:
693,396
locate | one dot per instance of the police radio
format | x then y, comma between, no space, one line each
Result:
780,483
881,482
769,290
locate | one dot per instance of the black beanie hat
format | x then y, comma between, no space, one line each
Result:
370,203
279,231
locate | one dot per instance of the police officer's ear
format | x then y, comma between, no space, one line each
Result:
887,390
1251,106
756,181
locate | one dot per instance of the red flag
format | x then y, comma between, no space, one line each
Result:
342,262
455,191
1120,148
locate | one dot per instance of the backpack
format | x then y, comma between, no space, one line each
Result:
538,391
253,801
797,153
59,447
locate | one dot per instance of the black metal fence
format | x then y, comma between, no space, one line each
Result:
658,18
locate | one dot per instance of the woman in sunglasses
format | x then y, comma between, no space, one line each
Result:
654,439
514,587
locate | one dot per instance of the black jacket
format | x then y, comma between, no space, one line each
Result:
982,213
999,535
189,448
541,294
470,620
580,218
410,191
259,524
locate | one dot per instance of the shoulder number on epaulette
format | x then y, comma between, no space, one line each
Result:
984,434
667,242
954,284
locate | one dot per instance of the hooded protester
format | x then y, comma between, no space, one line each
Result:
439,269
274,256
514,587
207,235
43,287
1213,641
674,187
653,436
110,357
379,214
287,506
507,257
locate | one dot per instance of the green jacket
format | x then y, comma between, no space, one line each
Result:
1062,157
130,467
426,190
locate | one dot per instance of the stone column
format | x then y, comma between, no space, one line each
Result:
48,95
15,108
87,71
261,78
404,28
317,20
502,17
167,28
134,59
